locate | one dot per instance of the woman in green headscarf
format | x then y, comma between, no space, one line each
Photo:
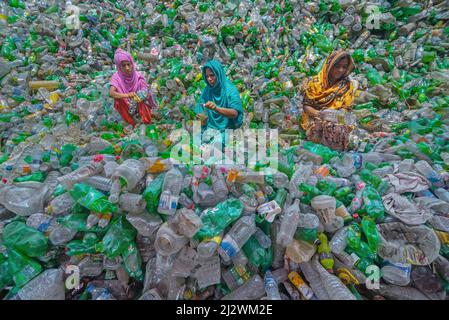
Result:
220,100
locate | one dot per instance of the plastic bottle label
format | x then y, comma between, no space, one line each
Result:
357,159
228,247
269,210
299,283
405,268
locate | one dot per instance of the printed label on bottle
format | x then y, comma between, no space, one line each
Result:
357,160
299,283
443,236
216,239
342,211
228,247
269,210
405,268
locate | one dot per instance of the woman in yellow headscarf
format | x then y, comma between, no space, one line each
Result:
330,89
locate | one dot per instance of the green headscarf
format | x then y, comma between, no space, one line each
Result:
224,94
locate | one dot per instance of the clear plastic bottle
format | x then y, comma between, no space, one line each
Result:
52,181
219,184
168,242
205,195
209,273
99,183
240,259
298,177
61,235
207,247
339,240
186,222
173,181
271,287
263,239
167,203
429,173
132,203
280,180
49,285
131,171
396,273
314,279
98,293
278,250
60,205
80,174
289,223
114,192
240,232
253,289
401,293
334,287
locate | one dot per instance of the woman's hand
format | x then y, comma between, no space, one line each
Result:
132,95
203,118
210,105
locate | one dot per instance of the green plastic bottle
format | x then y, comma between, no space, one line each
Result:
22,268
78,222
324,252
92,199
371,233
152,193
326,187
373,204
5,276
216,219
257,255
368,177
38,176
133,262
29,241
281,196
119,237
354,236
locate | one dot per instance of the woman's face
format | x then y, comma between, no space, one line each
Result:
210,77
127,67
339,69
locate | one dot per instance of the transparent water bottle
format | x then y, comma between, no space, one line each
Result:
173,181
289,223
99,183
168,242
271,287
253,289
207,247
334,287
60,205
234,240
339,240
131,171
49,285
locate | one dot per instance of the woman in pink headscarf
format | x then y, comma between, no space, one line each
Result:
125,84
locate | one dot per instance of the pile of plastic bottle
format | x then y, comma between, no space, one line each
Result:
93,209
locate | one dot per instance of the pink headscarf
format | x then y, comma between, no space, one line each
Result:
127,83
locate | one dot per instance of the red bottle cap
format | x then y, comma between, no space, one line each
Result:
98,158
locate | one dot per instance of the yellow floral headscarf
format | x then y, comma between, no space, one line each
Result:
318,93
